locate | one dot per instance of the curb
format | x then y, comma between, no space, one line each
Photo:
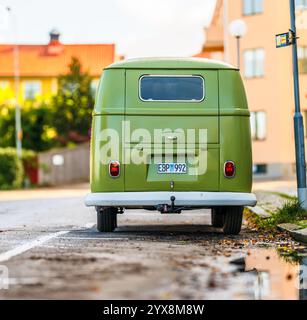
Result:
297,234
259,212
295,231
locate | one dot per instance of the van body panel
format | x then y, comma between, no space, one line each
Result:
232,96
144,177
100,178
223,113
235,132
194,199
177,126
236,147
110,97
135,106
175,119
171,63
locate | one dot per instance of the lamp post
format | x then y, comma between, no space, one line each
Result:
284,40
238,29
298,118
18,128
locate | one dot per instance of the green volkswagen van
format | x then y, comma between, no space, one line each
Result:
171,135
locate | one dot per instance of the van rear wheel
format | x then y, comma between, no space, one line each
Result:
106,219
233,218
217,217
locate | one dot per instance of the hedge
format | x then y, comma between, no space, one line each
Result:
11,169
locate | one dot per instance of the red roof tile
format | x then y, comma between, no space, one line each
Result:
202,55
53,59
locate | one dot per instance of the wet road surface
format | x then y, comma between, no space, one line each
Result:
52,251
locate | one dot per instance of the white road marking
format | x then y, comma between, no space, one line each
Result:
92,238
30,245
89,225
35,243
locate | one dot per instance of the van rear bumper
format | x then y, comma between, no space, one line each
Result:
143,199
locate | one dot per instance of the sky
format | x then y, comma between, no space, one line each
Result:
137,27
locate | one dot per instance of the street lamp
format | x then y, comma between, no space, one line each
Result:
18,128
285,40
298,118
238,29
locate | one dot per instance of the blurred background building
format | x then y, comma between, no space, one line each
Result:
214,34
40,66
267,74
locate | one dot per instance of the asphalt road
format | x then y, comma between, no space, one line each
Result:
52,250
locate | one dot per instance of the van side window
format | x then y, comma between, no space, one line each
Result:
172,88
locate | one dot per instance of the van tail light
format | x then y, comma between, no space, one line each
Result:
114,169
229,169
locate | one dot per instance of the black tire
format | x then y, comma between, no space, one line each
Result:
106,219
233,220
217,217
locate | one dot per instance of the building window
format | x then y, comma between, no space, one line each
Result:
301,3
260,169
302,59
4,85
254,63
251,7
259,125
31,89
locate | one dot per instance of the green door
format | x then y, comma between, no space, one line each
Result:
171,130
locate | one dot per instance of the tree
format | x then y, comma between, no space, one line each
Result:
36,124
73,105
7,126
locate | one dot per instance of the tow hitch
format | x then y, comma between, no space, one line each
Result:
169,209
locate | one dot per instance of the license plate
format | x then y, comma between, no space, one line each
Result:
172,168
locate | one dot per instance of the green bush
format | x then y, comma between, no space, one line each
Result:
11,169
28,156
38,132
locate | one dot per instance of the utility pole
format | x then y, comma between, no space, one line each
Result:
298,118
284,40
18,127
238,53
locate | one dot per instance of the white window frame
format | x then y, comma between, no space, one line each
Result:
254,9
256,63
4,84
36,93
301,4
255,128
173,76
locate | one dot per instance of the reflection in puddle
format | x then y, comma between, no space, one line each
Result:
276,278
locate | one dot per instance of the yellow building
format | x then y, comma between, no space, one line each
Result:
267,74
40,65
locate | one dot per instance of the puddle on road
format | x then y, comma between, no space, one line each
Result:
277,275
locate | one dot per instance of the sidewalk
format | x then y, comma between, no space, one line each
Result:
69,191
280,186
272,195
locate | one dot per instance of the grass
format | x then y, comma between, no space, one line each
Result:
290,212
289,255
284,196
303,224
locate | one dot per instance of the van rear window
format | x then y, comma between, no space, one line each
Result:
172,88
